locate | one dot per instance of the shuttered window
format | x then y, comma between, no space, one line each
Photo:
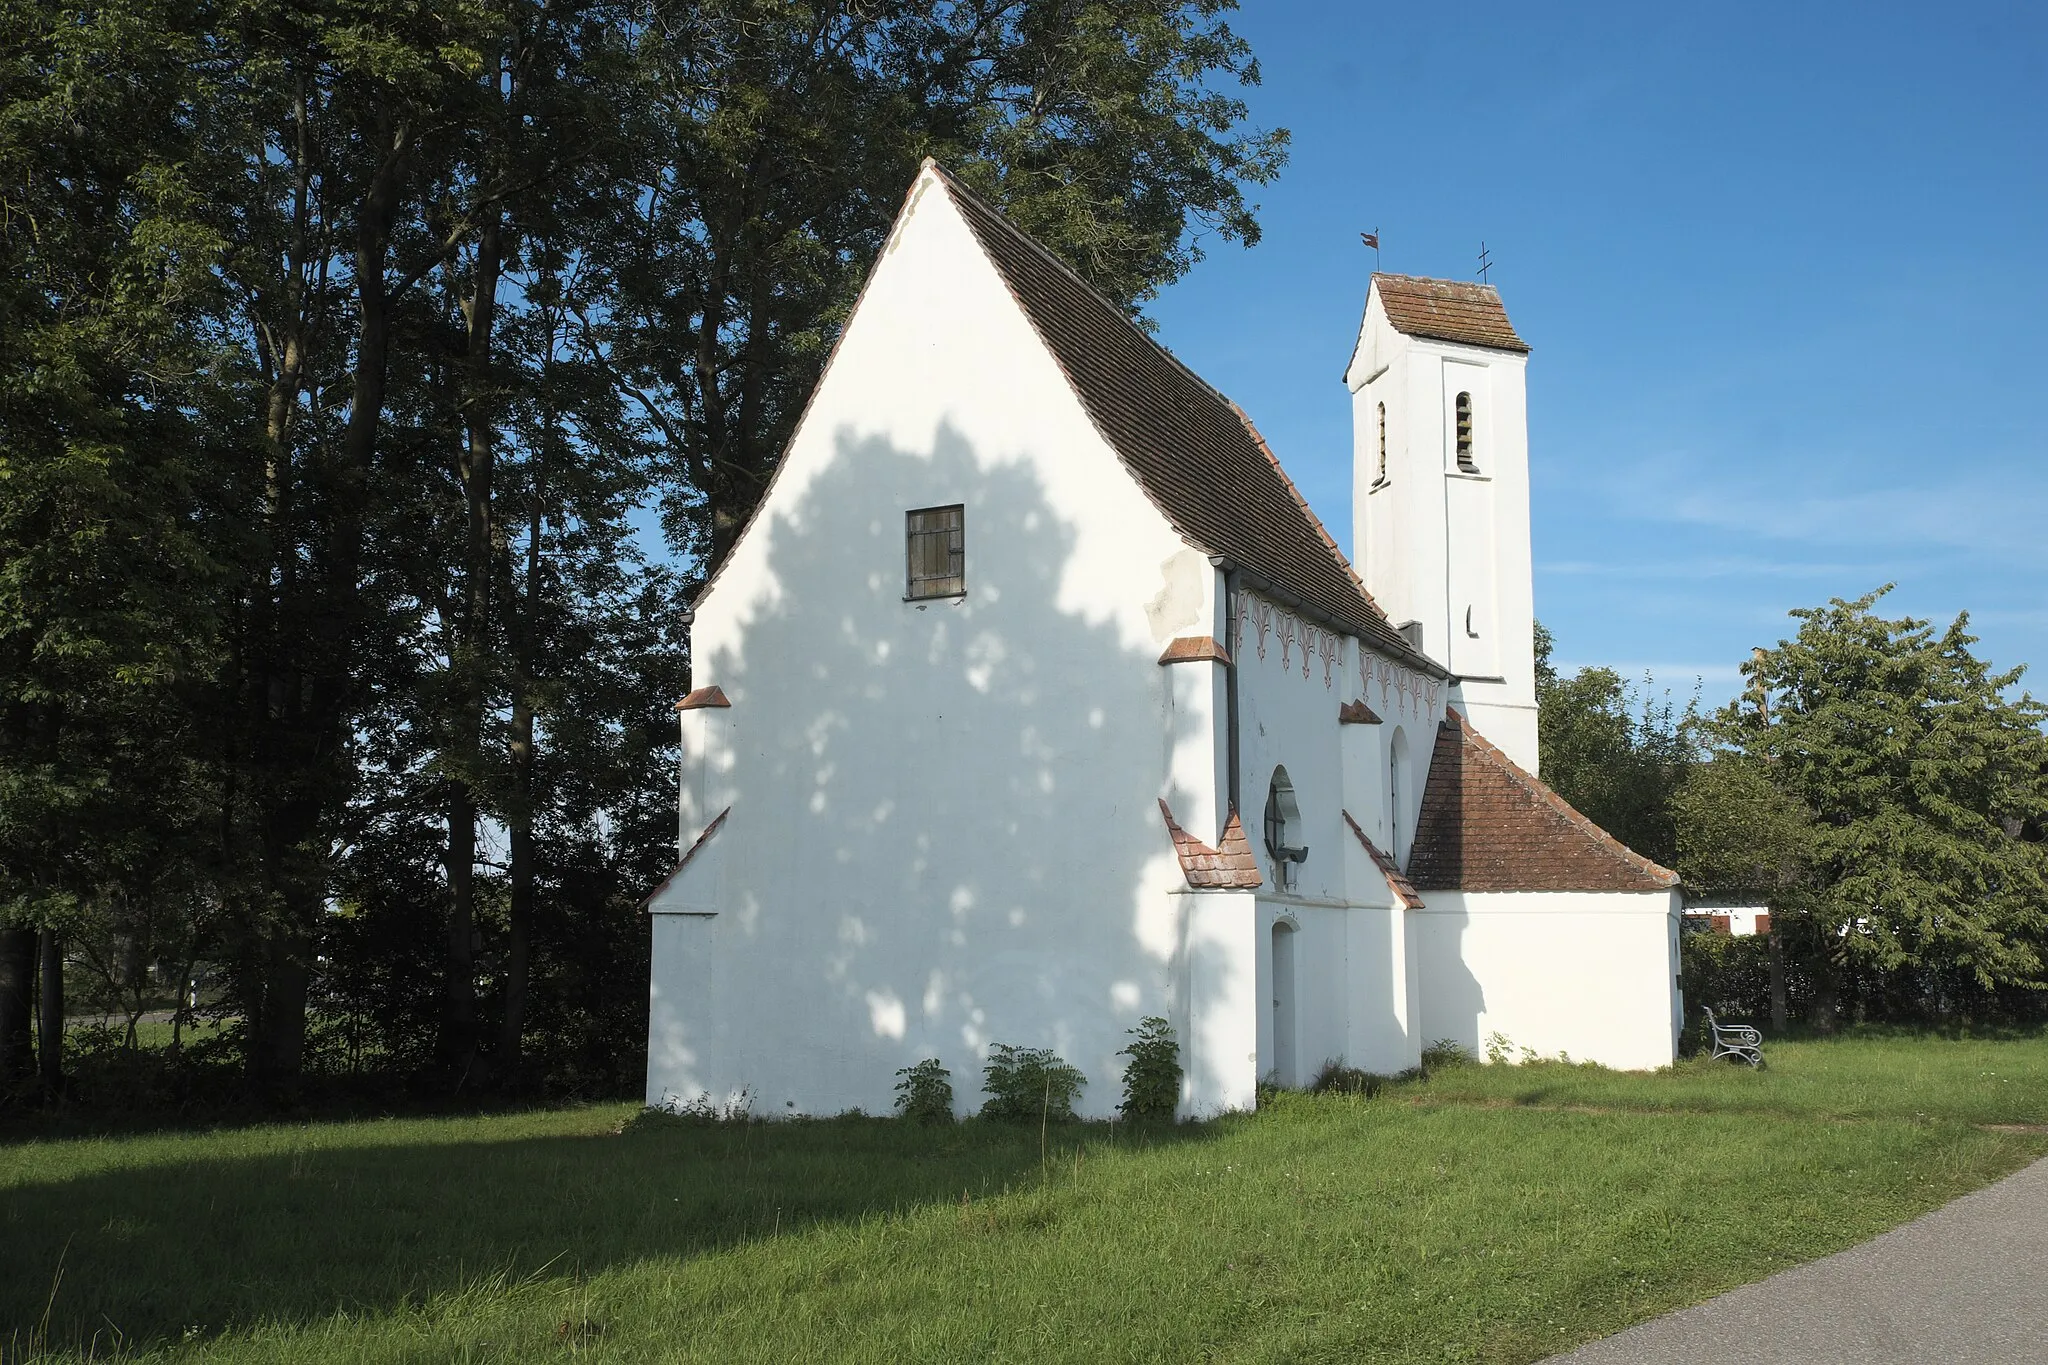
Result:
1466,462
936,552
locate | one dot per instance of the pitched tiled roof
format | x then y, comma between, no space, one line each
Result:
1486,825
1447,310
1229,866
1404,890
702,697
1194,649
701,840
1194,453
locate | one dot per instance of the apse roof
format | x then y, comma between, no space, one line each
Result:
1486,825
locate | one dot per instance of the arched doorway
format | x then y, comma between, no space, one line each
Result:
1283,1003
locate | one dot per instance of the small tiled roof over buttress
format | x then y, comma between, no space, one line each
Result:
1486,825
1447,310
1194,452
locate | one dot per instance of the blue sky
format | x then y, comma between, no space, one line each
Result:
1781,268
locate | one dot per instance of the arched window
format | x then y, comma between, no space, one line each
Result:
1382,476
1465,461
1284,849
1397,760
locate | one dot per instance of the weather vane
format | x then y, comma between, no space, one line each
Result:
1485,263
1372,239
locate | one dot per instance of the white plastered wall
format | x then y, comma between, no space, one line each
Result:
1352,999
1592,975
944,829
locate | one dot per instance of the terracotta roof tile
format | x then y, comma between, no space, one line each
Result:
1447,310
1191,649
1229,866
1404,890
1356,713
699,842
702,697
1193,452
1486,825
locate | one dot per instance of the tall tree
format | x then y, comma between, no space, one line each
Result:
1875,785
106,612
780,138
1617,753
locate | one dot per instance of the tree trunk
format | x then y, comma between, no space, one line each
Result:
1821,1011
17,990
458,988
471,647
51,1052
520,813
296,852
1779,1011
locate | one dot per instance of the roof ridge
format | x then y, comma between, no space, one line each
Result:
1436,279
1541,790
953,182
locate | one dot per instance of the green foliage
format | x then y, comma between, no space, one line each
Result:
1152,1080
1029,1085
924,1093
1443,1054
342,348
1730,975
1616,753
1882,790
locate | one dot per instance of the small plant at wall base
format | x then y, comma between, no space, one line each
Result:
1029,1085
924,1093
1444,1054
1152,1080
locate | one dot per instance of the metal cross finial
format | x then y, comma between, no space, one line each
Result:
1485,263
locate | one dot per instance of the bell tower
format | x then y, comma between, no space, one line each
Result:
1440,491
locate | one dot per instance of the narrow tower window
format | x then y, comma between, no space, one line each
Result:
1382,478
1465,461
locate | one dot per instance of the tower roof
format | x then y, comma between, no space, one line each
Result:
1194,452
1447,310
1486,825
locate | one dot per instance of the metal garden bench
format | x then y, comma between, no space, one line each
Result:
1739,1041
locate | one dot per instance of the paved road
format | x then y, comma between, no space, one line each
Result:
1964,1285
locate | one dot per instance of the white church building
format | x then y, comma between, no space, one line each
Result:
1034,701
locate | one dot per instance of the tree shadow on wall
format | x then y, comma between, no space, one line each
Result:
945,829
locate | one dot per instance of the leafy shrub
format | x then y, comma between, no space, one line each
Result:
1443,1054
1027,1084
924,1093
1152,1080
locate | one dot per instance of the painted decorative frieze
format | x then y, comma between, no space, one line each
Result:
1305,644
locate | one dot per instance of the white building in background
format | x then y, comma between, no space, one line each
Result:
1740,921
1034,701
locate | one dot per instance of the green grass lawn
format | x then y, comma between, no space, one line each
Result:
1489,1214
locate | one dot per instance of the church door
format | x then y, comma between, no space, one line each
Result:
1283,1003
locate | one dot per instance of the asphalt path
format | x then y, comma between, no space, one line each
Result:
1964,1285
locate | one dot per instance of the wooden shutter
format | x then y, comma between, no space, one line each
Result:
936,552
